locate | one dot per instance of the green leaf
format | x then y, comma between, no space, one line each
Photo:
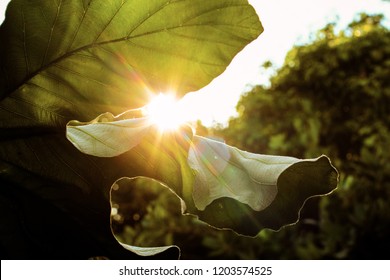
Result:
82,58
64,60
42,218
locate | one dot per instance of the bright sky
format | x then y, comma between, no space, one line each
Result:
286,23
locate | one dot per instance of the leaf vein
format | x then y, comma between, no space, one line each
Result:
51,33
18,114
176,55
51,93
21,99
109,22
61,159
85,10
74,72
148,16
25,44
93,137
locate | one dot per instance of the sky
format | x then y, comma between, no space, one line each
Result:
286,23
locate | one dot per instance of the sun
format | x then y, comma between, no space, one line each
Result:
166,112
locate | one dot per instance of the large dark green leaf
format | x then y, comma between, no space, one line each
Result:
82,58
62,60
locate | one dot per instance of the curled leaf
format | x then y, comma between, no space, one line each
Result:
227,188
225,171
107,136
266,192
149,209
147,251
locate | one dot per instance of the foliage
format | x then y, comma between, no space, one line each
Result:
222,185
62,61
331,96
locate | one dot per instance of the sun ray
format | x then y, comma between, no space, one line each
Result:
165,112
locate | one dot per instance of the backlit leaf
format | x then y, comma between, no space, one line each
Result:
65,60
225,171
82,58
240,184
147,251
296,183
107,136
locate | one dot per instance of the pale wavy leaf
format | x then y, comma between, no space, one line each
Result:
225,171
228,186
148,251
107,136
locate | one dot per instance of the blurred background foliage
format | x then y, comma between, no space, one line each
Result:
331,96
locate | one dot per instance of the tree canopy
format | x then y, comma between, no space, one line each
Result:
331,96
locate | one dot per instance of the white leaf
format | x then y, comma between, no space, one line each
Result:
148,251
225,171
106,136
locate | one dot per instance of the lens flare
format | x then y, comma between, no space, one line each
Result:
165,111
